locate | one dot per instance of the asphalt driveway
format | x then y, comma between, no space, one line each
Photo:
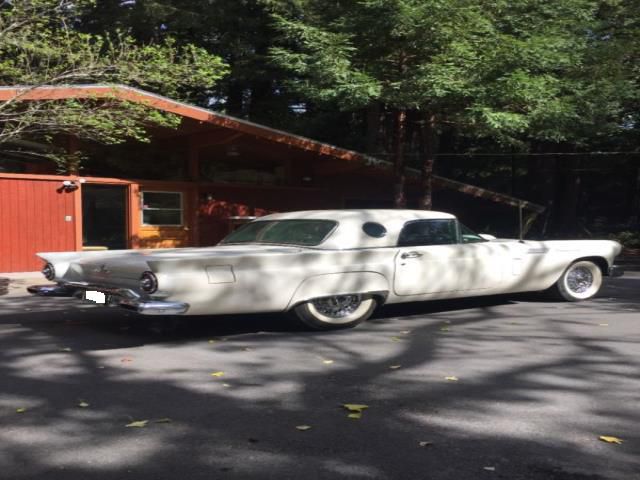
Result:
492,388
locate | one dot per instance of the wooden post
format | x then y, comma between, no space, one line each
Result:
134,215
193,203
77,215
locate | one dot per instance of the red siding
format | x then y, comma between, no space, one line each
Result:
32,219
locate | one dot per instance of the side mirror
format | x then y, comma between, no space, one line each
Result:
486,236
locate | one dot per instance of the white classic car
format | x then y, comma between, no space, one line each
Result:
330,268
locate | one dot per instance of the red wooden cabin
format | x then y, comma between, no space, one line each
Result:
188,187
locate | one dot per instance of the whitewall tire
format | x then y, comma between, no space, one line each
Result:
335,312
580,281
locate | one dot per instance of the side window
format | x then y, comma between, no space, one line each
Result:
469,236
429,232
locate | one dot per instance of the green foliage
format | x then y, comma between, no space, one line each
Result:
627,239
516,72
41,44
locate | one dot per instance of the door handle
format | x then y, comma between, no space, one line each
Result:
410,255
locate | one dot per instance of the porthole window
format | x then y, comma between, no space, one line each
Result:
375,230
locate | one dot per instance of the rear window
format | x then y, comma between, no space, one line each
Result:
282,232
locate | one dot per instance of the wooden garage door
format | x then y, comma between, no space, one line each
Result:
34,217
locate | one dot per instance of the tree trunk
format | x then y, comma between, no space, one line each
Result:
373,128
635,202
428,144
399,198
235,100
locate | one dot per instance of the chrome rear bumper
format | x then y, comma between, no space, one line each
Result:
115,297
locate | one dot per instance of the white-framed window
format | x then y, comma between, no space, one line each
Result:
162,209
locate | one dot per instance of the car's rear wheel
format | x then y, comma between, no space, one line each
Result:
339,311
580,281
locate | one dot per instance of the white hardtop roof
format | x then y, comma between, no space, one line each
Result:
349,233
360,215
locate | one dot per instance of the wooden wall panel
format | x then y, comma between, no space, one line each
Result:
165,236
32,219
219,202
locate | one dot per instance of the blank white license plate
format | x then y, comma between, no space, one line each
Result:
97,297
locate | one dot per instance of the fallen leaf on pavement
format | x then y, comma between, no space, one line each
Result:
451,378
444,329
303,428
394,367
138,424
83,404
217,374
396,339
21,410
327,362
356,409
608,439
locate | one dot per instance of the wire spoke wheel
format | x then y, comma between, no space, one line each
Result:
338,307
579,279
337,311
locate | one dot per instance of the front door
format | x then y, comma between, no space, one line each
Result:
431,259
104,217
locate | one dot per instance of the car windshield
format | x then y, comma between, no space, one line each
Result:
282,232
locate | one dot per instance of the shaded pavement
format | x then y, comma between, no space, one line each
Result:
538,382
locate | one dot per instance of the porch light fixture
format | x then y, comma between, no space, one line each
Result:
69,186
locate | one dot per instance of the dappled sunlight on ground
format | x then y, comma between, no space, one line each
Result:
536,383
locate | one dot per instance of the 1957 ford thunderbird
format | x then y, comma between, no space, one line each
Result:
330,268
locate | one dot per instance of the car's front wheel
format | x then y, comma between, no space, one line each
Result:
580,281
339,311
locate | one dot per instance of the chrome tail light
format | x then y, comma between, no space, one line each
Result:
49,272
148,282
